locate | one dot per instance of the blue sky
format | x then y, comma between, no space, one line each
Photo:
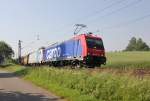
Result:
54,21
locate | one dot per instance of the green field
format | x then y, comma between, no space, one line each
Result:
96,84
128,60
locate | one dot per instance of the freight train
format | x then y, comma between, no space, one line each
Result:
81,50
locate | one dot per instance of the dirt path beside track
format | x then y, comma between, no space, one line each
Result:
13,88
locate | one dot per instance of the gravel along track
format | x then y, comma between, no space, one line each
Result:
13,88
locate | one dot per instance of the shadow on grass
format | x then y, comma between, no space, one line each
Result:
5,65
18,73
21,72
18,96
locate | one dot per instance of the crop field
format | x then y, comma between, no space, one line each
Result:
128,60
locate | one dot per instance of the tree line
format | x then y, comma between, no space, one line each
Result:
6,52
137,45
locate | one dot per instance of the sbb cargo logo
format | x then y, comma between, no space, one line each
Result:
53,53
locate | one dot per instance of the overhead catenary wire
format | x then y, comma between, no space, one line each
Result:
100,11
117,10
93,13
110,13
32,42
127,22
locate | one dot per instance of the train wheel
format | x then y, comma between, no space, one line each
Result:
78,65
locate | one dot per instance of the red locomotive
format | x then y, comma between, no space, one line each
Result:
81,50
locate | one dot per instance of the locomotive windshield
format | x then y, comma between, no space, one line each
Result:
95,43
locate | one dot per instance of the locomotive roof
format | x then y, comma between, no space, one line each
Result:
76,36
89,35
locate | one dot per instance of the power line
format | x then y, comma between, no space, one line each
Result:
110,13
128,22
32,42
119,9
94,13
101,10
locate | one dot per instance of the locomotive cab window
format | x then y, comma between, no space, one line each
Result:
95,43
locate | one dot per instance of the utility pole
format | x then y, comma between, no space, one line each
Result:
78,28
19,51
37,37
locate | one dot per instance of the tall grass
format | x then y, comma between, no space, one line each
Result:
80,85
128,60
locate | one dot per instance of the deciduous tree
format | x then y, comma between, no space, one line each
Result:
6,51
137,45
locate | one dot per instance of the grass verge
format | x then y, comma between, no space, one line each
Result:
80,85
